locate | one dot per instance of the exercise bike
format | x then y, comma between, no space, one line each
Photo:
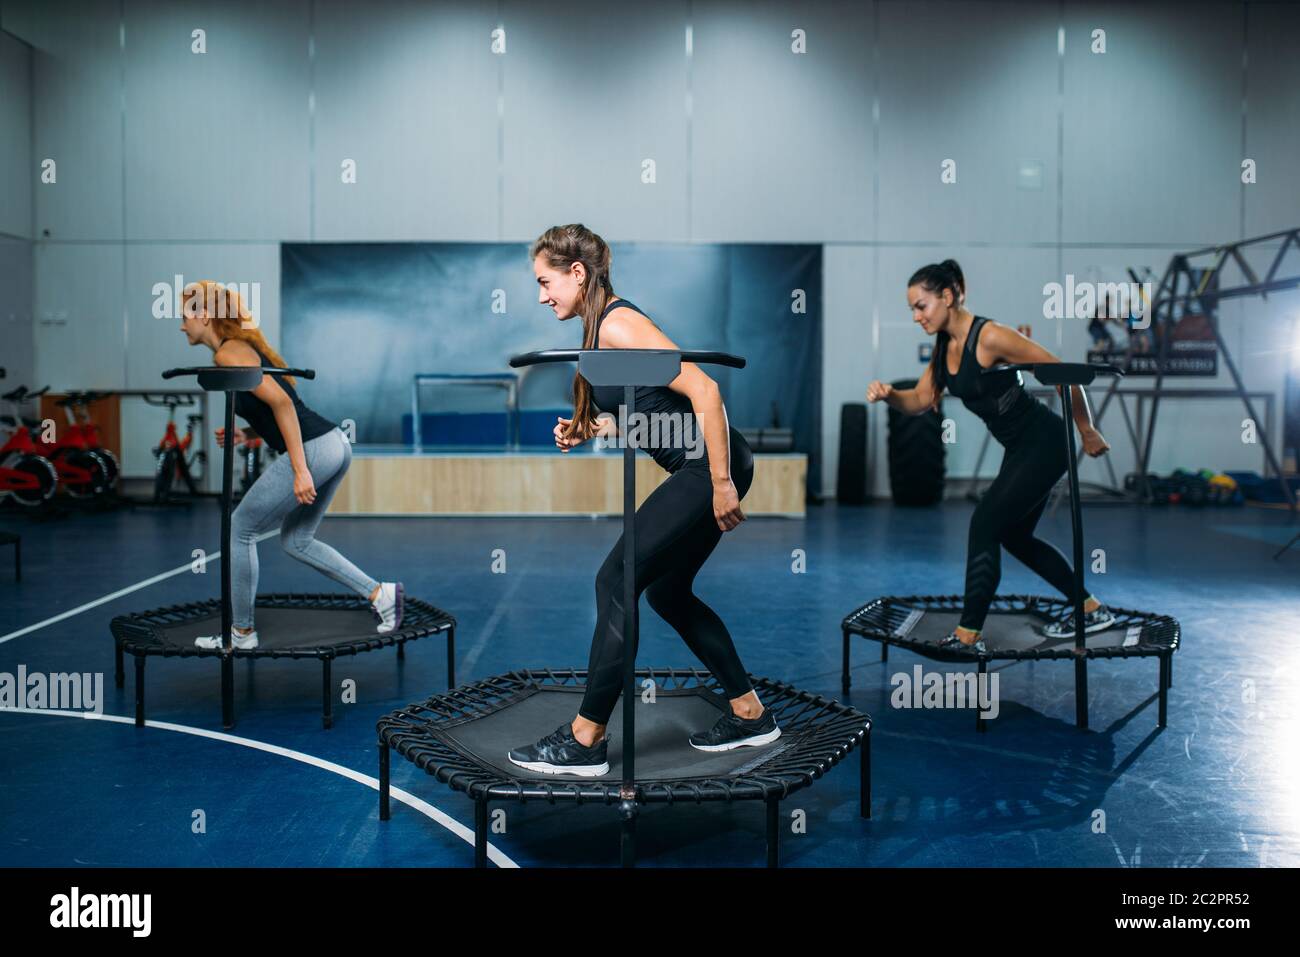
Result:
172,457
252,450
26,477
83,473
76,406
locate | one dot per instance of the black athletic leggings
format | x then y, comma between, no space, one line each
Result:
675,533
1006,517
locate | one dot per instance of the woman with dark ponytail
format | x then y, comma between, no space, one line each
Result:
1034,460
677,527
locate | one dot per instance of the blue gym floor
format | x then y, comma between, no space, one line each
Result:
1219,787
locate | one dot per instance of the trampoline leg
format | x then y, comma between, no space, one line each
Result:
228,691
979,715
844,667
119,672
384,811
327,694
451,657
1081,693
864,777
1169,671
884,651
139,691
773,830
1165,662
401,651
480,833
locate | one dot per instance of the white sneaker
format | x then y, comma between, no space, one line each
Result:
240,642
388,606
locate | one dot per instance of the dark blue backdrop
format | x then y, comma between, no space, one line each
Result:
369,316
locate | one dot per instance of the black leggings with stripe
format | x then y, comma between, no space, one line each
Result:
1007,515
675,533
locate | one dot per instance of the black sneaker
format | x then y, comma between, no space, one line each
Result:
954,643
561,753
1099,619
732,732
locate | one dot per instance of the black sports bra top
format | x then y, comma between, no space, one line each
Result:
669,453
999,398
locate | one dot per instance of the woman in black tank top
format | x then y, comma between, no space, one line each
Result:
294,492
677,527
1035,457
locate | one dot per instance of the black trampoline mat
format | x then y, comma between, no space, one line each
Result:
1015,632
662,729
284,629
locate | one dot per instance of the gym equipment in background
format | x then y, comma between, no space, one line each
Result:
1187,290
920,622
310,626
507,381
81,425
916,454
172,456
461,738
83,473
252,451
27,478
851,480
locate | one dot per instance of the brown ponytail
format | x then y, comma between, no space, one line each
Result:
563,246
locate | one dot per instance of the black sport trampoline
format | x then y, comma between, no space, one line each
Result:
316,626
1013,632
461,738
320,627
1013,629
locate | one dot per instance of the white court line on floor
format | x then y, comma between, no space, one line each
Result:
215,556
496,856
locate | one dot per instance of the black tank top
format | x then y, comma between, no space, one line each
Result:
657,399
999,398
259,415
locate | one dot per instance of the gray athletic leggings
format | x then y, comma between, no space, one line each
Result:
270,502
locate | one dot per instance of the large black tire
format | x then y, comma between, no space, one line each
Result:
96,484
111,468
851,482
47,480
916,455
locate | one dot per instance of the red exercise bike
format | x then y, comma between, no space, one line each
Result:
83,472
81,427
26,477
173,459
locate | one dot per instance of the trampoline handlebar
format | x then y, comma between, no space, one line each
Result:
572,355
1059,373
266,370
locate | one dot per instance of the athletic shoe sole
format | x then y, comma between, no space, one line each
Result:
581,771
756,741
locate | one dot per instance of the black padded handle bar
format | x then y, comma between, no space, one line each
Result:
1060,373
266,370
573,355
168,399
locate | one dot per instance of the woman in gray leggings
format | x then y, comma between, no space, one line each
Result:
295,491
